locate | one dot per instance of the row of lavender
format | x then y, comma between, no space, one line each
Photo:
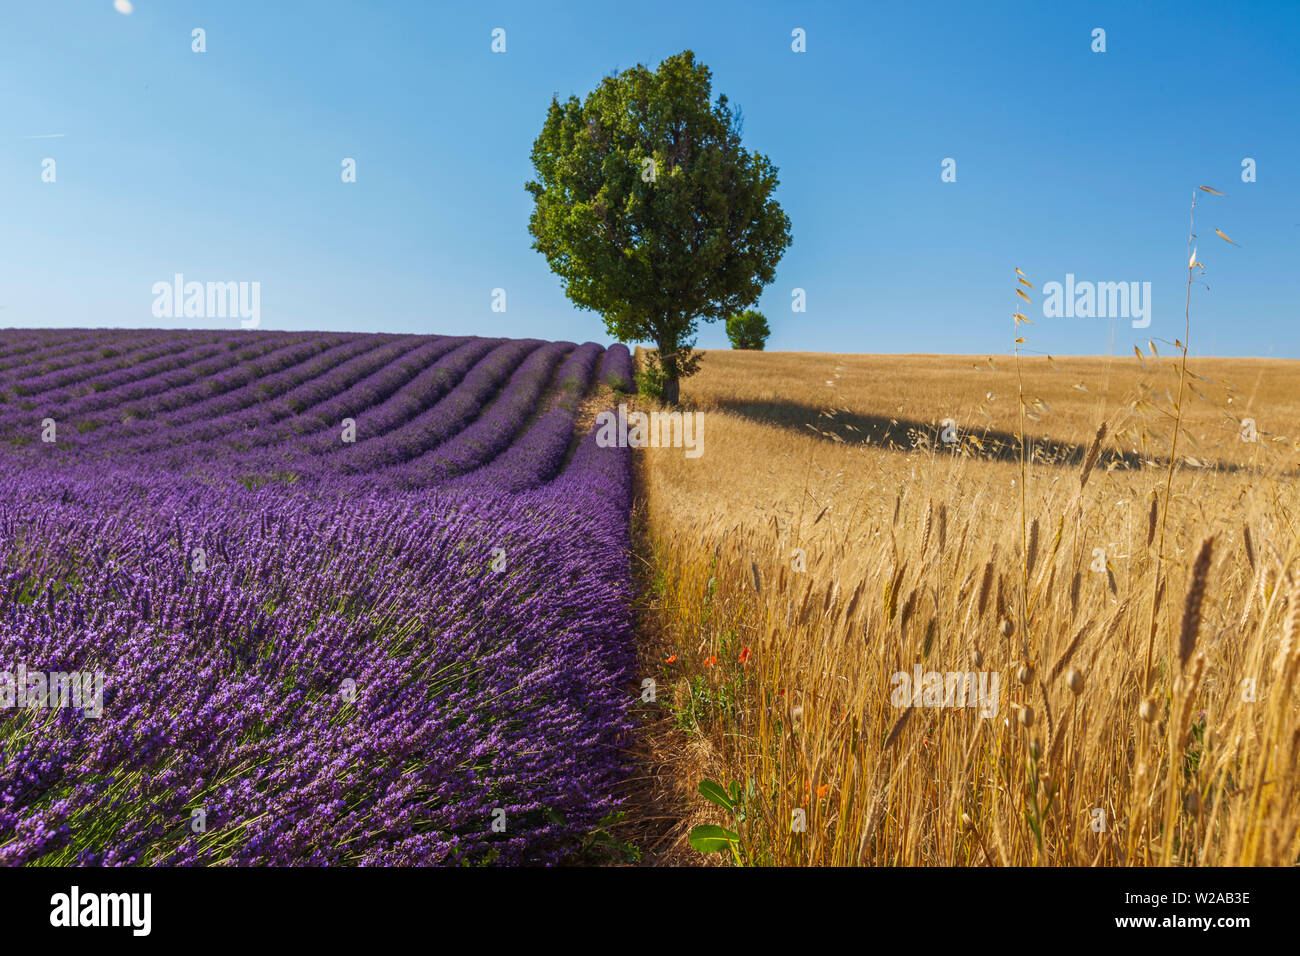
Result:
418,654
356,404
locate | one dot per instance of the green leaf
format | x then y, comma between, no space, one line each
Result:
735,792
712,839
715,794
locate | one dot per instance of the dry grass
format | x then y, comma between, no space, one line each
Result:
830,530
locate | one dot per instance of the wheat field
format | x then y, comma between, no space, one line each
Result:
1132,608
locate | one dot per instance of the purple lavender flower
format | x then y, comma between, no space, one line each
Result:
332,652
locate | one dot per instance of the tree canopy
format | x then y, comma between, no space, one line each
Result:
748,330
651,211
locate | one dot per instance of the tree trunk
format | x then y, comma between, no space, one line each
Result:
668,362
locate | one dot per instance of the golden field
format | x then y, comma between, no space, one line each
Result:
856,517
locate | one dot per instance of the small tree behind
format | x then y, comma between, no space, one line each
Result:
651,211
748,330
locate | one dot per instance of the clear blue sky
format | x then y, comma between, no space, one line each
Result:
226,165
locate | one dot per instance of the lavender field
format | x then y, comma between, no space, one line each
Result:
356,599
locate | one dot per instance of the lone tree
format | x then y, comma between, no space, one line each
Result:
651,211
748,330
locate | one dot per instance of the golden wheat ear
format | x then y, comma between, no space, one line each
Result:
1090,461
1192,606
